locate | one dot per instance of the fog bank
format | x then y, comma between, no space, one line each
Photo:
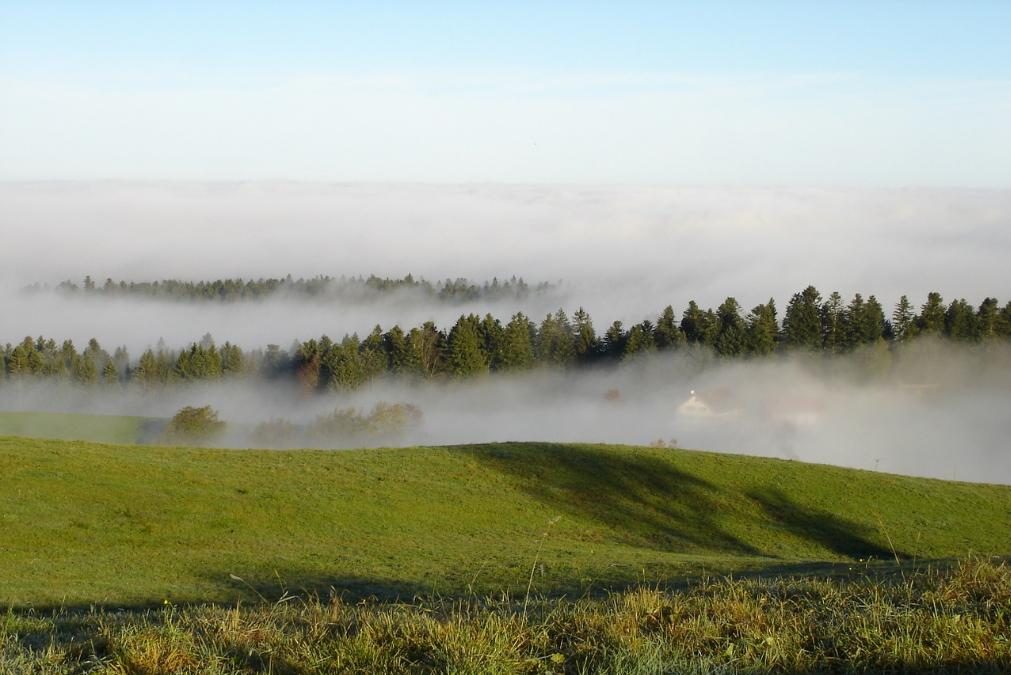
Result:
623,252
937,410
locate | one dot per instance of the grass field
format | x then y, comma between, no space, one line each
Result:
74,427
928,621
127,525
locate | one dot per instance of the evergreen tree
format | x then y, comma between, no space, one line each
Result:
343,365
464,355
555,341
85,371
903,320
585,344
110,375
517,348
667,334
931,318
639,339
1003,327
833,324
873,325
398,352
614,341
492,339
694,324
987,319
25,359
802,322
233,361
762,329
373,355
960,321
146,372
730,336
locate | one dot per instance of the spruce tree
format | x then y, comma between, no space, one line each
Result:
464,355
730,336
762,329
110,375
492,340
585,344
931,318
802,322
902,320
614,341
667,334
833,324
517,347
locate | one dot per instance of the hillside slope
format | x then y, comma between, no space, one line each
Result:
89,523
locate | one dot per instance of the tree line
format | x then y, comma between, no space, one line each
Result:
476,345
319,287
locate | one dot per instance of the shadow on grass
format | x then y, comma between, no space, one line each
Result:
642,499
647,501
839,535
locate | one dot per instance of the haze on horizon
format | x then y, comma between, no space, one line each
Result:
885,94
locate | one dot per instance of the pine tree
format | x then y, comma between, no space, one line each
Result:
614,341
987,319
555,341
585,345
833,324
110,375
85,371
902,320
762,329
233,361
398,352
667,334
931,318
802,322
960,321
464,354
373,355
639,339
343,366
693,324
492,340
517,348
730,336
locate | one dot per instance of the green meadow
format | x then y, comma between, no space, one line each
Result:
71,426
127,525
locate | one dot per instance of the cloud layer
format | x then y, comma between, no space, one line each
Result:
623,252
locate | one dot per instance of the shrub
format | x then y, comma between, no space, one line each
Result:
194,425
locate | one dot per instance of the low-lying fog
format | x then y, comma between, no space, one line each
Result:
938,410
623,252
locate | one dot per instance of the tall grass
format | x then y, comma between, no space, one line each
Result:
955,619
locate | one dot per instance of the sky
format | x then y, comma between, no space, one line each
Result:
865,94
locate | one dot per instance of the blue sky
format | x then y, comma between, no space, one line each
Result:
868,93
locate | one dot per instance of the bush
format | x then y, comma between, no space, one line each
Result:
194,425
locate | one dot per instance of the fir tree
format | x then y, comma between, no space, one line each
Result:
464,355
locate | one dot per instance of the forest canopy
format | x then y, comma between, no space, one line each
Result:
320,287
475,345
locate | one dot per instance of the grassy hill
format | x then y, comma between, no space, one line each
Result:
89,523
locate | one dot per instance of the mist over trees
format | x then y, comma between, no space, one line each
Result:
475,345
319,288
